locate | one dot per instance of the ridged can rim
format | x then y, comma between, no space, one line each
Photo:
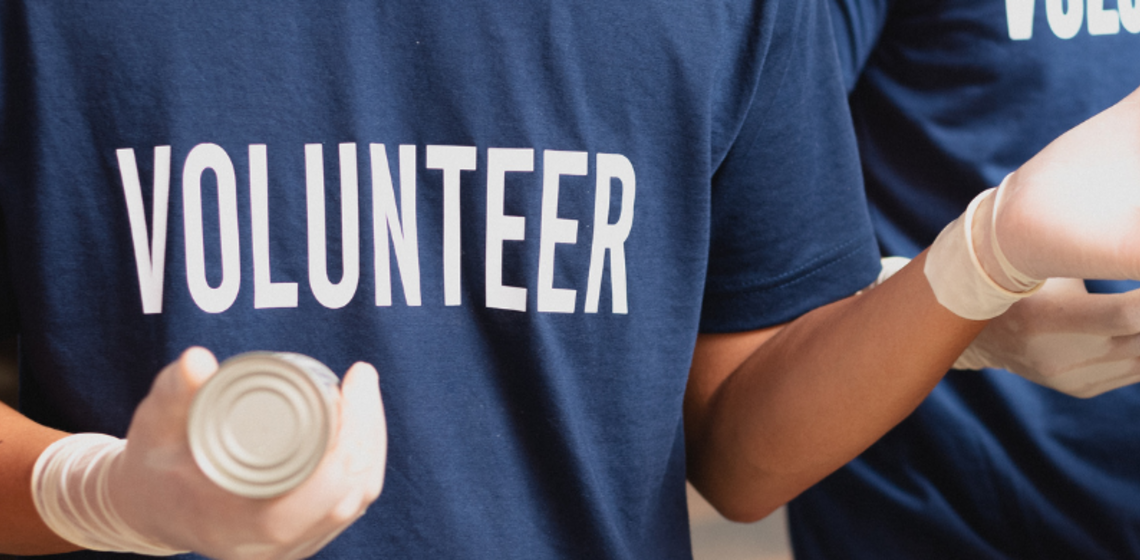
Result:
261,424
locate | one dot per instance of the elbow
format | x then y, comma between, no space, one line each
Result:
743,512
739,503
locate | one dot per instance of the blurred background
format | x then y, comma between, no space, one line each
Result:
714,538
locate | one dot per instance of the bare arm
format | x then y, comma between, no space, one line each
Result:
21,530
146,494
769,413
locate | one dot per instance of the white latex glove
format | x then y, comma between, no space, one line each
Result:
1061,337
1073,210
1064,338
155,489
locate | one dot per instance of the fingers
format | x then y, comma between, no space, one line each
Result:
362,383
1111,314
310,547
1122,348
198,364
352,475
180,380
1064,306
366,432
1099,379
1114,363
294,525
161,417
363,428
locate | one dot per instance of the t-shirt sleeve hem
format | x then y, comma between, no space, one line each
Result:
851,268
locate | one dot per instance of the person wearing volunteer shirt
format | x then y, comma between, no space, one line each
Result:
591,249
947,98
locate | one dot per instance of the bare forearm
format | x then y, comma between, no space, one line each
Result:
21,530
818,393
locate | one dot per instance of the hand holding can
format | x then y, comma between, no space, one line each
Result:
148,494
262,423
346,477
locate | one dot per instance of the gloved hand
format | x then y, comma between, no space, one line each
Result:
150,497
1073,210
1064,338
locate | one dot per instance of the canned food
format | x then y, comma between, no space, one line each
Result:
262,423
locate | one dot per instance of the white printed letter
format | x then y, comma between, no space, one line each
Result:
608,236
1129,14
266,293
556,230
385,219
333,296
150,258
1065,24
201,158
452,160
502,228
1102,21
1019,17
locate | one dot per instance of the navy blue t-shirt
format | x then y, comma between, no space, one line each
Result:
521,212
949,97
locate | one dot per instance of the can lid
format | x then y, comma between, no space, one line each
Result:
261,424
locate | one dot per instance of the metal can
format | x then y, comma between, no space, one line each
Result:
262,423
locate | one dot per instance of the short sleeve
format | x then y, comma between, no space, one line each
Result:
790,228
857,25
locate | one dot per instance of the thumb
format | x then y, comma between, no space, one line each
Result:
161,417
178,382
363,426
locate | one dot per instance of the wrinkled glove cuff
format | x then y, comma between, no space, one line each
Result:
956,275
69,488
